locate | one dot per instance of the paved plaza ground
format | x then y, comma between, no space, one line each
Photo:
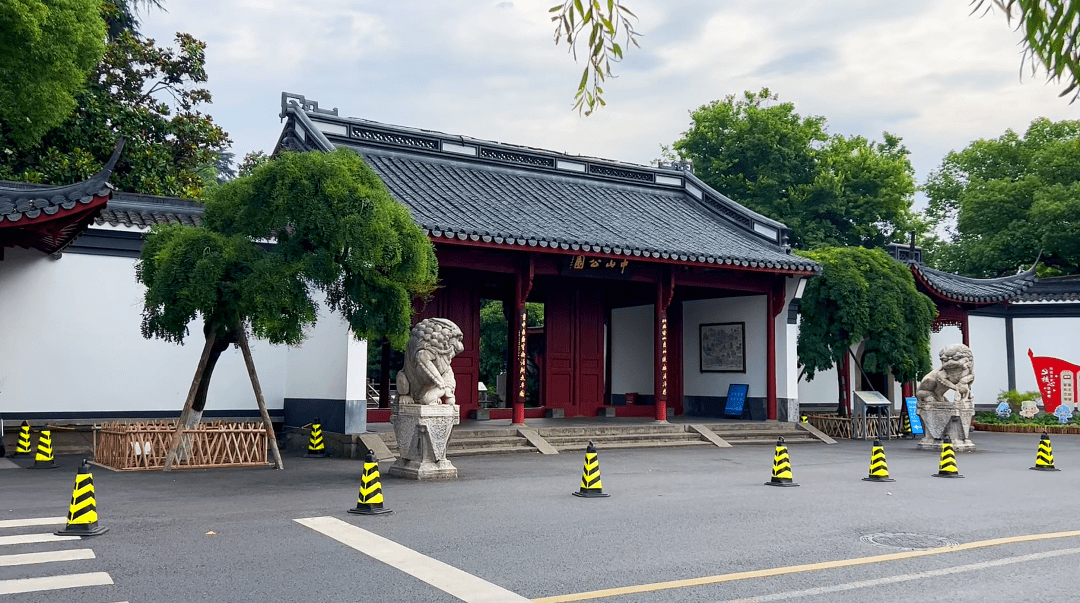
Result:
681,524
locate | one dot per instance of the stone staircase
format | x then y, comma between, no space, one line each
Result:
572,438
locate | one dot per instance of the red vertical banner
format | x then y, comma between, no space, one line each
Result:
1056,379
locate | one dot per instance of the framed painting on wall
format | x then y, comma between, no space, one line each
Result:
723,347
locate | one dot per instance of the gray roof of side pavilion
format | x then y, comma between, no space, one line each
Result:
520,197
975,290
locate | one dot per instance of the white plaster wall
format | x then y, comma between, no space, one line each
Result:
987,338
70,340
787,371
632,350
750,310
356,372
1044,336
319,366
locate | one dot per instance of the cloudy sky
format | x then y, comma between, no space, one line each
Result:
922,69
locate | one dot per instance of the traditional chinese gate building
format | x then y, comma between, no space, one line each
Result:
634,265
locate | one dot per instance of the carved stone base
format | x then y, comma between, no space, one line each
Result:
422,432
941,422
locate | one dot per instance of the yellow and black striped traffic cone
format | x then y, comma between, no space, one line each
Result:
44,458
1044,459
591,487
906,426
879,469
781,471
316,448
947,468
370,501
23,447
82,514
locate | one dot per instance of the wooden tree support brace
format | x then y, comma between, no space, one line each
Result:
271,438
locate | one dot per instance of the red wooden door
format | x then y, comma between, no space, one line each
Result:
574,328
590,349
559,350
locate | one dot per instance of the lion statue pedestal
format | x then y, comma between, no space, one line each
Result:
944,417
425,413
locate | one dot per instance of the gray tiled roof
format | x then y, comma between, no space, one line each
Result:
20,200
467,189
1058,288
975,290
143,211
496,204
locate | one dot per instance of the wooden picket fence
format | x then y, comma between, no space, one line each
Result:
847,427
143,445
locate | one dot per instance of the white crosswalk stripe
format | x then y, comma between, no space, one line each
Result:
30,560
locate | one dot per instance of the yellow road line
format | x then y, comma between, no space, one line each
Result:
796,569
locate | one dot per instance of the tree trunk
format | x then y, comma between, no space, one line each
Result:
841,387
241,338
188,411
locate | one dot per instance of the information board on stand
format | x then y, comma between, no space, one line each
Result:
736,400
913,416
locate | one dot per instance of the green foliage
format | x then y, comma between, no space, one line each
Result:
47,49
863,294
1041,419
1012,198
830,190
494,329
337,231
1015,398
602,19
170,144
1051,36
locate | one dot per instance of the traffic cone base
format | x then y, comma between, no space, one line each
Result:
591,485
781,474
1044,458
82,513
370,499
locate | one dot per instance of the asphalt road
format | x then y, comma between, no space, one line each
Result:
696,515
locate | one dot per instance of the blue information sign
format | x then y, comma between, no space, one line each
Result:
913,416
736,399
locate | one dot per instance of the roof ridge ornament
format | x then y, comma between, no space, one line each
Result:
311,106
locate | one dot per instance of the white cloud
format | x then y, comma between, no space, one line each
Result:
921,69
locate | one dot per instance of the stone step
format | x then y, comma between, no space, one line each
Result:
456,443
456,452
630,437
614,445
653,428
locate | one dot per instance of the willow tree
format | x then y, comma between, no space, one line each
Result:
863,295
301,227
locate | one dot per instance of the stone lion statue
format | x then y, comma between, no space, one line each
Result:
940,415
427,377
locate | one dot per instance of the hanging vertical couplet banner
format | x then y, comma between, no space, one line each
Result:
1057,381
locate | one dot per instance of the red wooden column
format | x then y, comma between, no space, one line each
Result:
964,331
522,286
774,307
665,289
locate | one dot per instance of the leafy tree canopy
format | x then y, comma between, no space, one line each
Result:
1011,198
336,230
146,94
47,50
830,190
1051,36
863,294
